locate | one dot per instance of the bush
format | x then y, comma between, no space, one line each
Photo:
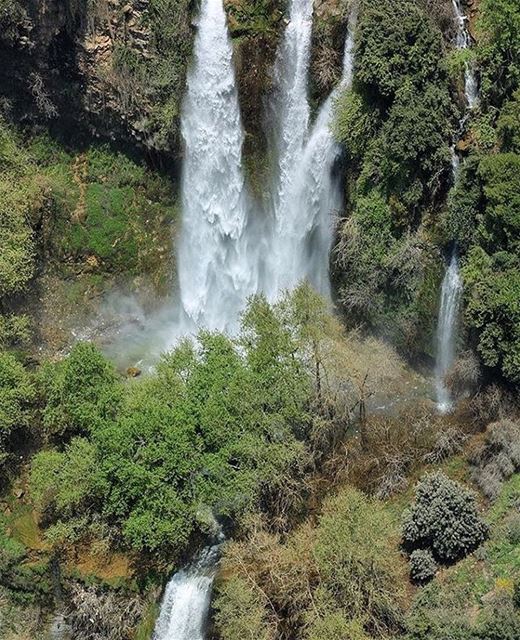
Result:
17,394
94,613
358,565
339,577
422,566
20,198
82,393
497,457
502,623
516,595
444,519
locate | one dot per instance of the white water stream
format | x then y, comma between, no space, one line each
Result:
185,606
463,41
316,192
216,260
451,292
288,119
307,194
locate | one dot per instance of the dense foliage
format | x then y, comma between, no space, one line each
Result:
17,394
212,433
395,125
484,214
338,579
444,519
20,198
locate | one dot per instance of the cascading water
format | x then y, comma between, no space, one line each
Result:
451,292
289,115
447,331
218,259
185,606
463,41
316,193
217,266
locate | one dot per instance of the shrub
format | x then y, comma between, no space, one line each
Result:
82,392
465,375
422,566
17,393
443,519
242,611
516,595
341,577
94,613
497,457
502,623
358,564
513,529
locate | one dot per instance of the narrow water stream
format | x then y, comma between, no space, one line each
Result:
451,294
452,287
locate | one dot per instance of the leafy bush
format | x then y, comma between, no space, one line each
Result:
501,623
498,53
444,519
492,310
17,393
20,197
82,393
241,610
422,566
341,576
64,481
357,562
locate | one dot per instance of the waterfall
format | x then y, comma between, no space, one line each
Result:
451,292
463,41
307,193
185,606
289,115
316,192
447,331
217,266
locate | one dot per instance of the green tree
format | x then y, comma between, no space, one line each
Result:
17,394
82,393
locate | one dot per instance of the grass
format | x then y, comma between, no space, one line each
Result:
106,211
146,626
